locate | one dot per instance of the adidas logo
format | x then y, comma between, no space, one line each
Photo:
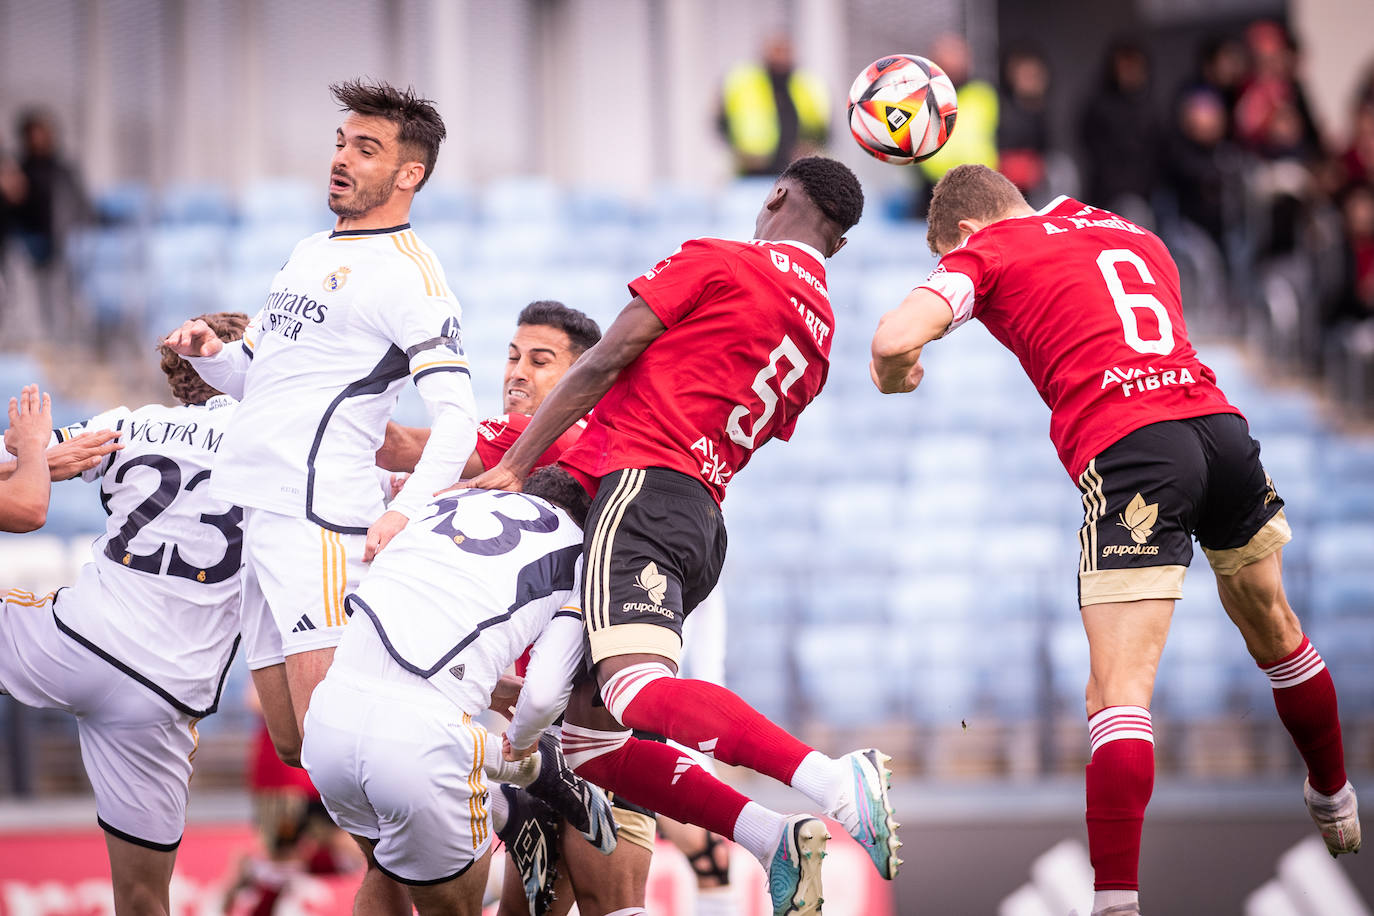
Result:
708,747
683,765
458,671
303,624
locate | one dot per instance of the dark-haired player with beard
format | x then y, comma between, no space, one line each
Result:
351,316
137,649
722,347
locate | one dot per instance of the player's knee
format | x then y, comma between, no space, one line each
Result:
586,747
620,688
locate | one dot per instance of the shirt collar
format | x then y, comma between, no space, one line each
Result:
349,232
820,258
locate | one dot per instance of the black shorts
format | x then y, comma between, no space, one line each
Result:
654,544
1148,494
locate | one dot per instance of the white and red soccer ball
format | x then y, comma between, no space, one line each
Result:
902,108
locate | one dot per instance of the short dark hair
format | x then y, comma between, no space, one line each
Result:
832,187
583,333
187,385
968,191
557,486
419,129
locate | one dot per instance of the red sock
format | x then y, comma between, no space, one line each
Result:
1306,700
713,720
665,780
1120,779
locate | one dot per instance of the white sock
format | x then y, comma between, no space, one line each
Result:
759,830
821,779
1104,899
630,911
519,773
500,809
717,901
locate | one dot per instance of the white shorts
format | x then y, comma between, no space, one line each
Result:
295,577
136,748
398,763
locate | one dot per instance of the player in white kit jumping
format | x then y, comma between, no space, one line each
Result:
351,316
390,740
138,649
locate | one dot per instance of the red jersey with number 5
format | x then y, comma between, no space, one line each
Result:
495,436
746,347
1089,303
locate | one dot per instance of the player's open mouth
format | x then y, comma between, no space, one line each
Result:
517,393
336,183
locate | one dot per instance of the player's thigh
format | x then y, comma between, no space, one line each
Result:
655,544
140,877
603,884
1141,499
405,769
1125,641
303,572
138,754
460,896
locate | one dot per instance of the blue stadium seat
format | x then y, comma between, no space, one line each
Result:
438,204
286,200
525,201
127,202
195,203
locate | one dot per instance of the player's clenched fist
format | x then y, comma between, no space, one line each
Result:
30,420
194,338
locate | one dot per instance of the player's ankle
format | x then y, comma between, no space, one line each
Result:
821,779
759,830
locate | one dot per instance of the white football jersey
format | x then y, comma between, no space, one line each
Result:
348,318
160,599
461,592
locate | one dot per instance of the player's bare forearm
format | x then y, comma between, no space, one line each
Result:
402,447
902,333
24,496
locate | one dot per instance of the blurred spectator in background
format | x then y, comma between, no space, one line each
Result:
1023,131
1201,175
975,130
1357,298
1224,68
1357,162
50,202
771,112
1273,118
1120,134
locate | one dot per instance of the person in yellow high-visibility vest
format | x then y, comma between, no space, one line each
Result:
974,139
771,112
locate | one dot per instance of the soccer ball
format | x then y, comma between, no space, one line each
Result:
902,109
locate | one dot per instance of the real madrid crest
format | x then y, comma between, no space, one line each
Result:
337,279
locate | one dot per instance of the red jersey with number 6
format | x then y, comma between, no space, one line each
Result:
1089,303
746,348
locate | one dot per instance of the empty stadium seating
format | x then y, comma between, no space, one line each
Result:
901,559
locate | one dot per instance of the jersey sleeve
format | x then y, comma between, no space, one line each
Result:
959,276
495,436
555,659
678,283
116,418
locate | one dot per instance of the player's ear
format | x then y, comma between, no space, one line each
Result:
410,176
776,197
835,249
969,226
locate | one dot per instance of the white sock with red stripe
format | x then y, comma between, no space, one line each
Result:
1120,780
1305,698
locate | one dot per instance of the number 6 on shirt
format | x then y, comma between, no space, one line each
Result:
1126,303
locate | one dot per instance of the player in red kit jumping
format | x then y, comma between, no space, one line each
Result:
1089,303
722,347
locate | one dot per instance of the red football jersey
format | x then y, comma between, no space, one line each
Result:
747,347
1089,303
496,435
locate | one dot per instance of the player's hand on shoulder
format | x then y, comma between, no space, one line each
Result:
499,477
194,338
81,453
386,527
30,421
513,754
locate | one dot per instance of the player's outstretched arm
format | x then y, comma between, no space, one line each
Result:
576,393
223,368
81,453
896,365
24,495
